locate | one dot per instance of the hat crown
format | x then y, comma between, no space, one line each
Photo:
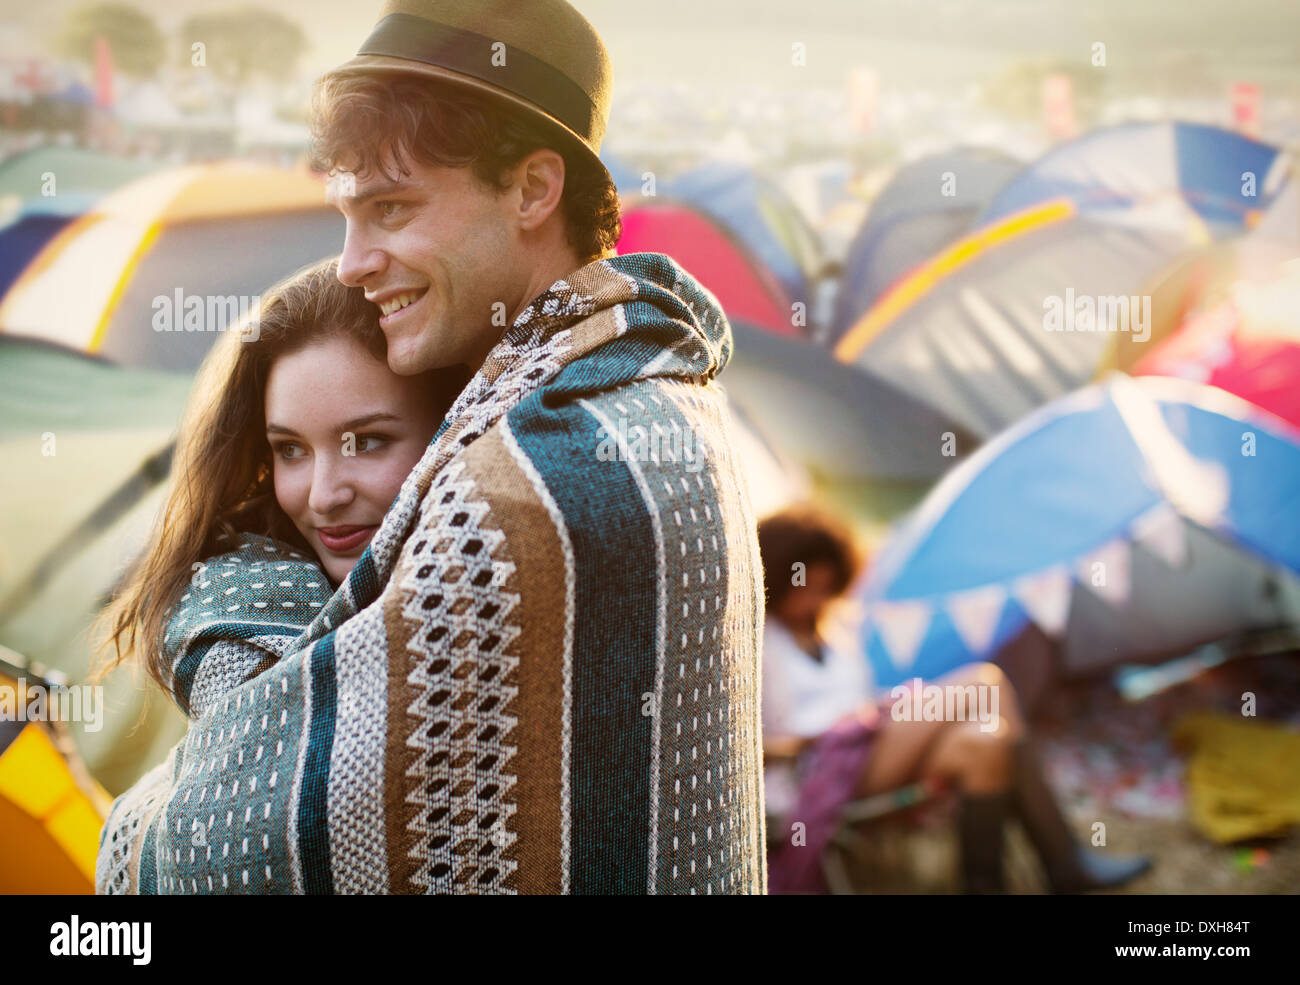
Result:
558,58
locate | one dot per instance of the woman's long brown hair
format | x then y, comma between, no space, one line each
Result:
222,471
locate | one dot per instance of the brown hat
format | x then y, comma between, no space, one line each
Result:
541,56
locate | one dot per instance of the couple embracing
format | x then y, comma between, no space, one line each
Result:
427,639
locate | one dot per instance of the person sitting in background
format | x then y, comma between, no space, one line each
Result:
828,740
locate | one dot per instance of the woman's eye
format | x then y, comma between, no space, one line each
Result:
289,451
370,442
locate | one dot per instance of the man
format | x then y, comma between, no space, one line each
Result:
543,675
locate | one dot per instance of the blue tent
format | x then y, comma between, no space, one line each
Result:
1131,520
918,213
1124,173
25,231
627,179
759,214
44,189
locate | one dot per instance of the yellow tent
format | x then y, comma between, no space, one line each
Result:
216,230
51,810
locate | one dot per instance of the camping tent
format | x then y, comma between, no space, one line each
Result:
775,480
51,810
1153,173
757,213
838,422
1249,345
1196,281
927,205
1013,315
85,443
1131,520
43,190
220,233
627,180
746,289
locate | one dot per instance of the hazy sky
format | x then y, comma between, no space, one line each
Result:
749,41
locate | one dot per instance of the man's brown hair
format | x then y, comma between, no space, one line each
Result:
365,123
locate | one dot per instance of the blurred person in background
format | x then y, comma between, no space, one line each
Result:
827,739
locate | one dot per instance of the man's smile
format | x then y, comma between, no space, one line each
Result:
394,303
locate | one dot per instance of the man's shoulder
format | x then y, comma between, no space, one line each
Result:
621,448
665,425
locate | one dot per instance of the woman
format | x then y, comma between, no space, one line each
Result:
826,740
297,440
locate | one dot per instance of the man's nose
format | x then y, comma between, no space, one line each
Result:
360,260
331,486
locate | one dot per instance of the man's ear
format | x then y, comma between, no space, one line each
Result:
540,178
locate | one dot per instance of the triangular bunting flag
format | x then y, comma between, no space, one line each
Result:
975,614
1046,597
1160,530
1106,571
902,627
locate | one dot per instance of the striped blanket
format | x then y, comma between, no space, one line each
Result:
541,677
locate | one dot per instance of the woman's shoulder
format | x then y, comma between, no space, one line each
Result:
259,580
254,549
240,608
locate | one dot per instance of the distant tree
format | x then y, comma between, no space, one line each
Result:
133,38
1018,91
244,44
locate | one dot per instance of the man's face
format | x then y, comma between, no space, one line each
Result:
434,250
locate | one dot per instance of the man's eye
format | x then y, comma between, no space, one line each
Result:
388,209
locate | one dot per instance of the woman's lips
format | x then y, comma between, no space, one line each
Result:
340,540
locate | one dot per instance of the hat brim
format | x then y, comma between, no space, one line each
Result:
391,65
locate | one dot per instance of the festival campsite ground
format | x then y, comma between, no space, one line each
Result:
1114,760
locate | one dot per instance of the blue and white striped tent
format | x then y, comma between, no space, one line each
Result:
1153,173
927,205
1130,520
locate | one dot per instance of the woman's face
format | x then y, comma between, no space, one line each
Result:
345,431
804,605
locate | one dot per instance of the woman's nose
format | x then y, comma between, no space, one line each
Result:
331,487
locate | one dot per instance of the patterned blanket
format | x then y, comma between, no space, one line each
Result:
541,677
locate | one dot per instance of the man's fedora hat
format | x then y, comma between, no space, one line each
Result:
541,56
